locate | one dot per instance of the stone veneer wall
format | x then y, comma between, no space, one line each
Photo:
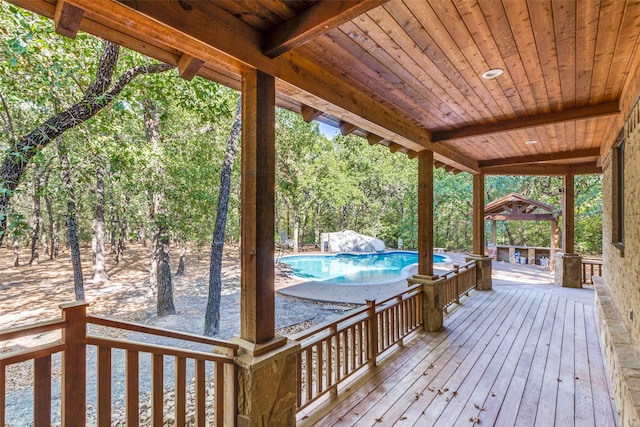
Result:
622,274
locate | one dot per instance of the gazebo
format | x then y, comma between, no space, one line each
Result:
515,207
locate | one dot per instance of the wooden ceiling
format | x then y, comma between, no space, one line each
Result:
407,73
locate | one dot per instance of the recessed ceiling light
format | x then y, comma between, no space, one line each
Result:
533,141
493,73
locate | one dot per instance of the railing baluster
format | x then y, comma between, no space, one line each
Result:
319,363
219,395
338,360
181,389
352,347
330,363
103,386
133,389
3,383
42,391
201,392
309,373
157,389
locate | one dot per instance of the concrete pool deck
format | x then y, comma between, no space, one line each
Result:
504,274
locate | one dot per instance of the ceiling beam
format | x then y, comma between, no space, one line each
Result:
520,217
544,169
67,19
535,158
373,139
313,22
486,129
309,114
347,128
235,46
188,66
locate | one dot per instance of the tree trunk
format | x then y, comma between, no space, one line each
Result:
98,95
37,217
296,232
112,229
72,228
97,241
181,261
16,252
212,313
160,269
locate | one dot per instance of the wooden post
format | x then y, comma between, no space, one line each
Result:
257,300
478,214
425,213
74,364
553,244
494,232
372,333
568,213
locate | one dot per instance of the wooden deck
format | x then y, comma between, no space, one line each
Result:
514,356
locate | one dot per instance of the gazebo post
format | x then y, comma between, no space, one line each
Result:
266,364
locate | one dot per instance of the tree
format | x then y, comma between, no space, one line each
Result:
212,313
99,94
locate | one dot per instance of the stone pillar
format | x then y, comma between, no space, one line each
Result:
431,304
568,270
267,384
484,270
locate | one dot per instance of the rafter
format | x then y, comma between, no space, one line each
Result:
347,128
485,129
318,19
373,139
188,66
309,113
535,158
67,18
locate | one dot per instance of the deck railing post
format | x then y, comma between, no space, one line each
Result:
74,364
230,395
372,333
456,284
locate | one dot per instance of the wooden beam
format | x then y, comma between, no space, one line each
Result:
313,22
412,154
234,45
535,158
188,66
425,213
347,128
547,169
394,148
309,113
485,129
257,296
568,213
478,214
67,18
519,217
373,139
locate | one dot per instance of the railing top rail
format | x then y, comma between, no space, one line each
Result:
459,269
409,290
36,352
135,327
34,328
592,261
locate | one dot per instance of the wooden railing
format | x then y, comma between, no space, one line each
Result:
213,372
333,351
457,282
590,268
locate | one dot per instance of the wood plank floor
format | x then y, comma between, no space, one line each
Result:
513,356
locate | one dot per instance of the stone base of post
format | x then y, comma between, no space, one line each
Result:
483,271
431,305
568,270
267,384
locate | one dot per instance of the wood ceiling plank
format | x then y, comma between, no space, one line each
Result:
425,72
521,27
578,154
475,20
316,20
625,47
611,15
419,43
586,29
564,21
544,169
610,108
500,27
444,24
540,12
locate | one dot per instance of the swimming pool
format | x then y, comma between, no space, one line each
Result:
352,269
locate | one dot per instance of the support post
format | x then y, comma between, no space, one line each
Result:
484,270
74,364
568,213
425,213
478,214
257,296
431,301
553,244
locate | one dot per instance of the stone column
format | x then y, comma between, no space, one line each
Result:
431,305
484,269
267,384
568,270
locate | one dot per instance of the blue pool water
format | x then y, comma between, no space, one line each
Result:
354,268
